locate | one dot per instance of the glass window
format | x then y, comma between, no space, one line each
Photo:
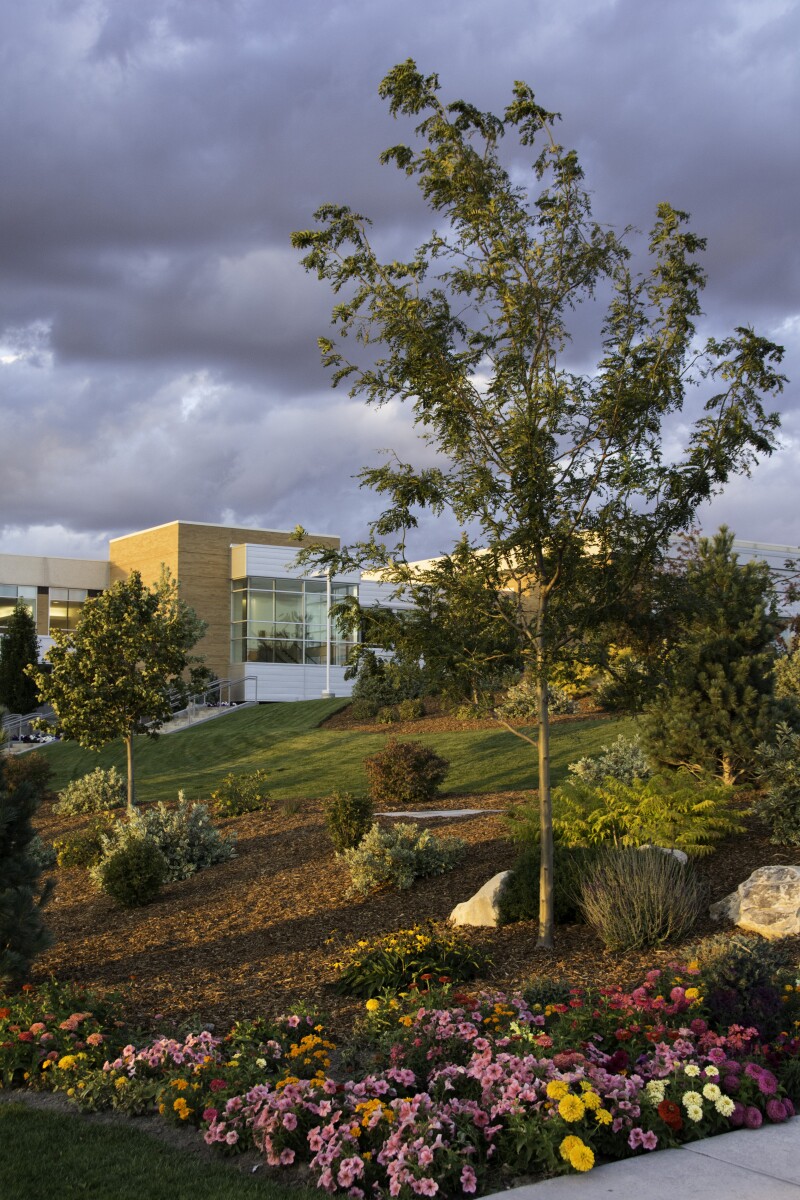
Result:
65,607
285,621
10,594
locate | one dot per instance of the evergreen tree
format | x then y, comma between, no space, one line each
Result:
719,700
22,930
19,648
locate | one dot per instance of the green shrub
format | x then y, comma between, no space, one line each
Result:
133,873
742,980
396,856
405,774
779,775
31,768
623,759
96,792
387,715
544,991
363,710
673,811
84,849
347,818
43,853
184,835
23,934
634,899
239,794
628,688
411,710
519,898
521,701
401,960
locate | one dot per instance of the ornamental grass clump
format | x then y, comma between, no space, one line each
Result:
405,774
638,898
93,793
347,819
395,857
418,958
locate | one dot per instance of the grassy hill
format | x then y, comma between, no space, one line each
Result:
307,761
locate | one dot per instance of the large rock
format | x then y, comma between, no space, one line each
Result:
482,908
767,903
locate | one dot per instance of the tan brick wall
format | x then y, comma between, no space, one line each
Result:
199,557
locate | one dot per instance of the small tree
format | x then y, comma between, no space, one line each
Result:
19,649
22,930
557,473
719,701
120,672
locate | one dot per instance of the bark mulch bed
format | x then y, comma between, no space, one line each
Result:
262,932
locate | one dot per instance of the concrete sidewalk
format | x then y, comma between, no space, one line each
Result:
760,1164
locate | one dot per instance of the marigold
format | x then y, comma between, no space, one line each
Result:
602,1116
373,1005
591,1099
571,1108
557,1089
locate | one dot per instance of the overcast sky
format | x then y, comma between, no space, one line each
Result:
158,353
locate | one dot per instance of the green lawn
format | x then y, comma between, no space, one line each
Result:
306,761
44,1155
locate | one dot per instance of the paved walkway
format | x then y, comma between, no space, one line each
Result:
761,1164
440,812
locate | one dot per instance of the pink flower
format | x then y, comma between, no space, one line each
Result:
217,1085
289,1121
210,1114
752,1117
293,1022
776,1111
469,1180
95,1039
767,1083
649,1140
231,1137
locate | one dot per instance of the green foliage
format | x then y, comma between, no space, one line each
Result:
19,650
411,710
387,715
396,856
363,710
623,759
133,873
719,701
96,792
672,811
741,980
519,898
184,835
639,898
30,767
347,819
22,930
118,673
626,685
84,849
405,774
239,794
779,775
42,853
787,673
521,701
410,958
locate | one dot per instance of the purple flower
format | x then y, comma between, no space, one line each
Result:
731,1083
752,1117
738,1115
767,1083
776,1110
787,1104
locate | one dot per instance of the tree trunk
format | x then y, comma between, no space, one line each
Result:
546,905
131,786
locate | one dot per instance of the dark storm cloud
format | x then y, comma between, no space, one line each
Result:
157,335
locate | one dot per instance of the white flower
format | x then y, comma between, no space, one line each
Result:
711,1092
261,1062
655,1090
711,1071
724,1106
692,1098
694,1112
692,1069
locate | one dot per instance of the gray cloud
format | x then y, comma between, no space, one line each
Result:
157,335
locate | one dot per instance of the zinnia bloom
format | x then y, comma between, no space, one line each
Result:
670,1114
571,1108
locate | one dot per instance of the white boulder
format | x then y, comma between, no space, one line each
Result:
681,855
767,903
482,908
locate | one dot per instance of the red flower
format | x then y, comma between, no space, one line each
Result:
4,1012
26,1036
670,1114
217,1085
27,987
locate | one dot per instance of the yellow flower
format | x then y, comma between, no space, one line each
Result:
692,993
591,1099
373,1005
557,1089
571,1108
602,1116
120,1083
68,1061
581,1158
405,1021
568,1145
70,1091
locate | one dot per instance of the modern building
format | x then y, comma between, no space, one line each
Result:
267,620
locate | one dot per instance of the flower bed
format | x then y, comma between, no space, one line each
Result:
455,1092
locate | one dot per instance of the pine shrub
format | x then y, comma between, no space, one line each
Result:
133,873
43,853
96,792
405,774
779,774
397,856
634,899
347,819
239,794
519,897
23,934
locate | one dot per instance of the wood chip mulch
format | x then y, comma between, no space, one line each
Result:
258,934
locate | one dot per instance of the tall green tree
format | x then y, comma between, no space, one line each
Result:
123,668
23,934
718,702
556,474
19,649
